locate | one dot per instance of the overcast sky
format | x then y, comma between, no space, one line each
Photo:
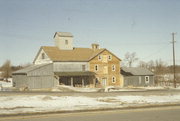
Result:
141,26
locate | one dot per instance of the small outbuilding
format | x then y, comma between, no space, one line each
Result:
35,76
137,77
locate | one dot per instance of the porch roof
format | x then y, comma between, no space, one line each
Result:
75,73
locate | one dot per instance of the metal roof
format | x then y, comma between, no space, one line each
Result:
28,69
63,34
138,71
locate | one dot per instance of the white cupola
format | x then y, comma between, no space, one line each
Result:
64,40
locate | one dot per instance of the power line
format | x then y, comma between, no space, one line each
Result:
156,52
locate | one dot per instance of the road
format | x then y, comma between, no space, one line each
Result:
151,114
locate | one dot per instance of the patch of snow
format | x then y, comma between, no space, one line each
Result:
6,84
44,103
41,103
64,88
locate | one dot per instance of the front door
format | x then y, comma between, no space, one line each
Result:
104,82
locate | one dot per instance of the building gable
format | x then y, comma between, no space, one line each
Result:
107,53
75,55
42,57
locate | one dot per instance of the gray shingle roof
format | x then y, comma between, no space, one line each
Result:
64,34
28,69
136,71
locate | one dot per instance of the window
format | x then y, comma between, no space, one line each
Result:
83,67
113,67
147,79
96,68
66,42
110,57
43,56
113,79
99,57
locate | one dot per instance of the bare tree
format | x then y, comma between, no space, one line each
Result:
6,69
130,58
149,65
143,64
161,67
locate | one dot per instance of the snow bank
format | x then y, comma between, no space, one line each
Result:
43,103
64,88
40,103
6,84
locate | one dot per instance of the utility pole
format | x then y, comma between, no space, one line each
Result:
174,65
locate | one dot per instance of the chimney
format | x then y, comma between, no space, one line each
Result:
95,46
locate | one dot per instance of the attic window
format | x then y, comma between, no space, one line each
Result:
43,56
66,42
99,57
110,57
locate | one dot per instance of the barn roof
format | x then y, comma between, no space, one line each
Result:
75,55
136,71
63,34
28,69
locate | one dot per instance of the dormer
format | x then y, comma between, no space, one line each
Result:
64,40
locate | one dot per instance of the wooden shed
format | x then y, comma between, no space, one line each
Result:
35,76
137,77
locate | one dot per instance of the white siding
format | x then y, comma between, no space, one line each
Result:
60,42
69,66
39,59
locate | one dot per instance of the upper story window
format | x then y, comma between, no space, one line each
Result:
83,67
99,57
113,67
43,56
113,79
66,42
96,68
109,57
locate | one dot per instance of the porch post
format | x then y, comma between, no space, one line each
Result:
94,82
72,81
82,82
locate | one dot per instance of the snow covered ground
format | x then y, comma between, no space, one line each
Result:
64,88
5,85
46,103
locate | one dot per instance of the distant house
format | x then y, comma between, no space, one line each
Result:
65,64
135,76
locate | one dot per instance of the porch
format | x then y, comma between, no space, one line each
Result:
76,79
